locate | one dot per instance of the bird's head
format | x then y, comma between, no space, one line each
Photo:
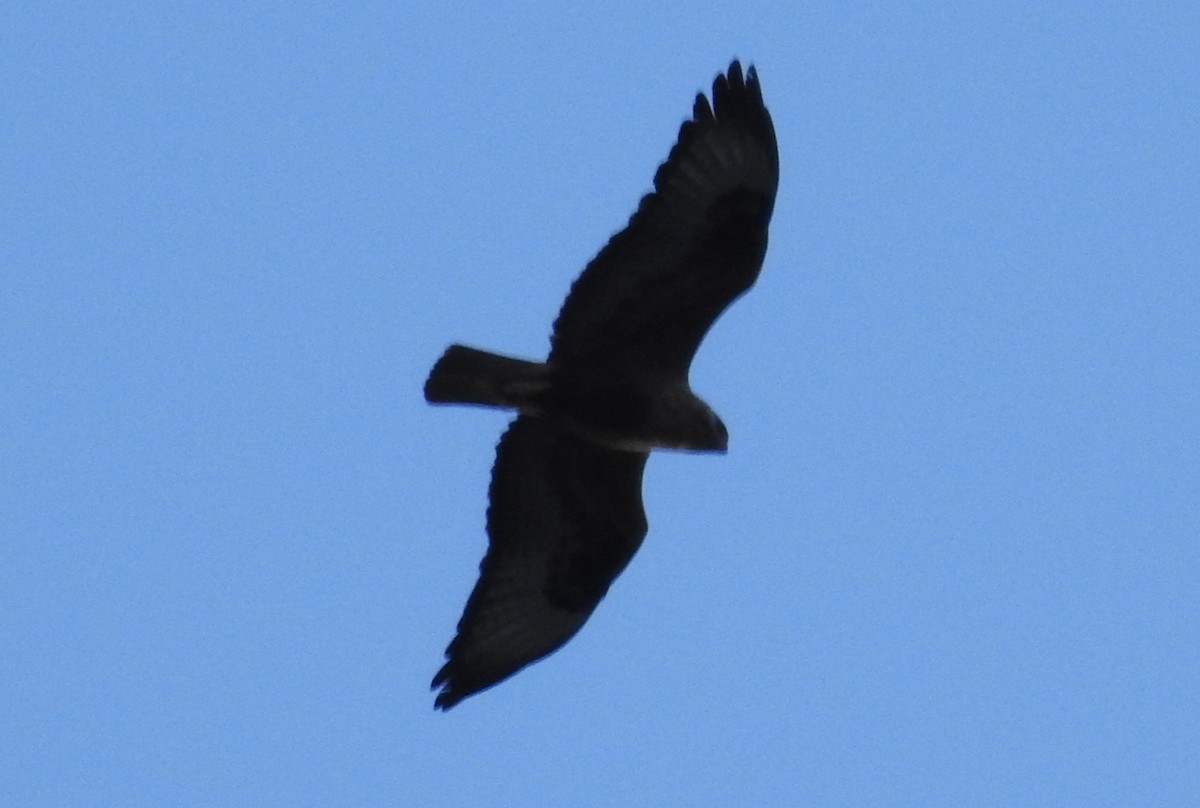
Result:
699,429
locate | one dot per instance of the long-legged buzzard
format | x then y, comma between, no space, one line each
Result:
565,513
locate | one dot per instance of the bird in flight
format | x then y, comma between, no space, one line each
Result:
565,511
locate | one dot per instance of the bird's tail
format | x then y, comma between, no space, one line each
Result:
470,376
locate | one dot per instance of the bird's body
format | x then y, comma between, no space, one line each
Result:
622,408
565,513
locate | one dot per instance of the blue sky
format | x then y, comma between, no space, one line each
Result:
950,559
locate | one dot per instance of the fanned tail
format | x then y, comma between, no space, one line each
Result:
470,376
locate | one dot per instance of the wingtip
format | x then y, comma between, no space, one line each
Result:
448,696
734,73
445,701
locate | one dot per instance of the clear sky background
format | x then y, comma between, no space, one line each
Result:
951,557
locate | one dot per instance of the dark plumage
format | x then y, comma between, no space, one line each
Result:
565,513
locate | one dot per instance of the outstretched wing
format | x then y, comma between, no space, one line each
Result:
693,246
564,520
